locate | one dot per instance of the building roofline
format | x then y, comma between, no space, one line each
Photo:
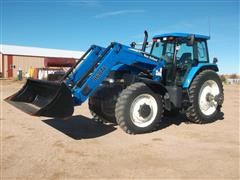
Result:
40,52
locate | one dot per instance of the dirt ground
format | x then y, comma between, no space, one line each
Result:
44,148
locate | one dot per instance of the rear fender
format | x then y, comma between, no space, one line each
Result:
196,70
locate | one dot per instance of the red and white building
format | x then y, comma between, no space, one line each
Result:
14,58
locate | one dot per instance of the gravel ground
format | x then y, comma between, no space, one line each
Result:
44,148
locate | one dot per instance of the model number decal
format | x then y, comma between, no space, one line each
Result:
99,73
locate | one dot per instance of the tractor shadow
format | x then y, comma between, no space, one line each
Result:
178,119
80,127
169,120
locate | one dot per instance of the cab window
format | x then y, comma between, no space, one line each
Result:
163,48
202,51
157,49
185,53
169,50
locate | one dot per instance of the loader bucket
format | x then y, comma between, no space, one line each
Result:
43,98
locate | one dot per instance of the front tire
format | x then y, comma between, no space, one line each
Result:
206,97
138,109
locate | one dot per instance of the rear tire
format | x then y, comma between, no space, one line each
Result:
138,109
202,92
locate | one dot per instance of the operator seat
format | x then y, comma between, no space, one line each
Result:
185,57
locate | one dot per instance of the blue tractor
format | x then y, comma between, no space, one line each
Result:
132,87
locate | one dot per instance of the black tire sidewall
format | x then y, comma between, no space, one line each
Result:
210,75
99,102
127,118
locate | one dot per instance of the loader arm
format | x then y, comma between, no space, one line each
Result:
86,61
91,73
57,99
51,99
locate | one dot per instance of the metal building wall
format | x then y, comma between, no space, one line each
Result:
19,62
25,62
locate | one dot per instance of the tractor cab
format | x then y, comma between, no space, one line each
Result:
180,51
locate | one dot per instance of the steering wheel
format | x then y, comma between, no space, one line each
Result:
183,64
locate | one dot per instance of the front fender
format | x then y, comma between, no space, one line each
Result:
154,85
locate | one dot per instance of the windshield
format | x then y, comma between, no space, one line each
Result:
157,49
184,53
163,48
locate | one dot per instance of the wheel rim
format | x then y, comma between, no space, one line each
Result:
143,110
207,94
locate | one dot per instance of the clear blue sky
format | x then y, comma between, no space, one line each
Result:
76,24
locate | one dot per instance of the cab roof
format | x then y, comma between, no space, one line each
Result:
181,35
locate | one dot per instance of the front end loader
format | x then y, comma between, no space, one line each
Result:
132,87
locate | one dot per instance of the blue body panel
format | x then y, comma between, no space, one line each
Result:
194,70
99,62
118,57
181,35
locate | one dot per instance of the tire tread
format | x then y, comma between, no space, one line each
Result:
192,111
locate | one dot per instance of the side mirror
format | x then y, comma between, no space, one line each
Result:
133,44
215,60
190,40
